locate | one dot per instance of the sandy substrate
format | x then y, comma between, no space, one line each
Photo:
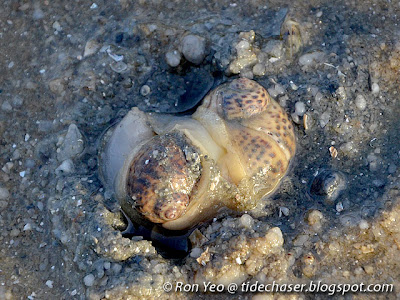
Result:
69,70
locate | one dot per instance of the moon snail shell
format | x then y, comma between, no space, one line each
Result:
181,171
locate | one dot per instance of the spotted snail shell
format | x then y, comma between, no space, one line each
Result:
180,171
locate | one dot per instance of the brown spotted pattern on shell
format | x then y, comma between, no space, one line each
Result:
242,99
231,152
161,178
259,133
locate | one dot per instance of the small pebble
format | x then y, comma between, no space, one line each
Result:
361,103
274,48
16,155
273,238
315,218
280,90
300,108
358,271
272,92
378,183
259,70
246,73
300,239
293,86
45,126
283,100
324,119
29,163
372,157
49,283
72,145
173,58
3,204
91,47
145,90
28,227
295,118
247,221
152,27
57,26
339,207
392,168
341,93
116,268
6,106
37,13
375,88
348,147
40,206
14,232
196,252
193,48
4,193
107,265
89,280
7,167
242,46
363,225
17,101
66,167
369,270
318,97
313,58
313,89
283,211
373,166
373,126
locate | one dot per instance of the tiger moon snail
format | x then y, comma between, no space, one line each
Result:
178,171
